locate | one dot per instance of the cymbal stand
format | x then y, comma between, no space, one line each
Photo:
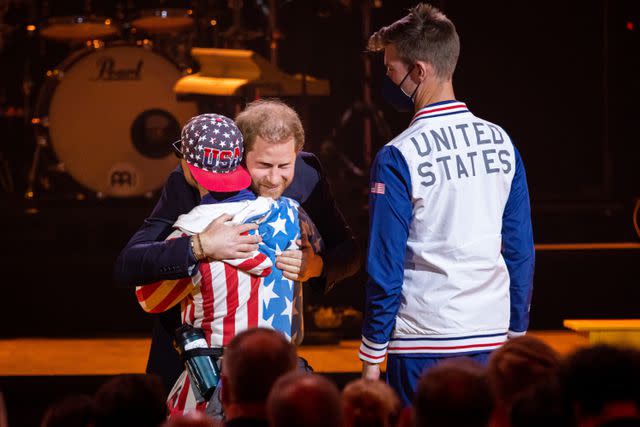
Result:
372,114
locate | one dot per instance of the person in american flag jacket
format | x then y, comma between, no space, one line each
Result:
273,142
226,297
451,255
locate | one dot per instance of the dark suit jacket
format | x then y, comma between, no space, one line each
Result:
148,257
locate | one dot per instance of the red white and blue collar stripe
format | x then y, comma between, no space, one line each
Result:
438,109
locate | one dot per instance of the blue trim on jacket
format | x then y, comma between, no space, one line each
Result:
517,247
387,243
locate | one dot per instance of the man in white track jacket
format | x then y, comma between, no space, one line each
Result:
451,256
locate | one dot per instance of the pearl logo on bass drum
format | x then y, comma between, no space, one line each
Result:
108,71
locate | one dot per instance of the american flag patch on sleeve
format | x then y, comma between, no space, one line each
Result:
377,188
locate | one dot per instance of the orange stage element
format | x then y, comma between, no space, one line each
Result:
607,331
109,356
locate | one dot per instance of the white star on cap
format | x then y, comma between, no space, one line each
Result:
226,135
204,127
216,131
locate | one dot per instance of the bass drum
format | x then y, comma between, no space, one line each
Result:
111,116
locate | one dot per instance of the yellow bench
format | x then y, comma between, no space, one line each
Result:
607,331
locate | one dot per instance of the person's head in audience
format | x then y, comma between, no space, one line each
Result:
602,384
192,419
304,400
131,400
455,393
519,364
369,403
541,405
71,411
253,361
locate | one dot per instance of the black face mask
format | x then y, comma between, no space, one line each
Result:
395,96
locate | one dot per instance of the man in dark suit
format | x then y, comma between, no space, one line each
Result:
273,140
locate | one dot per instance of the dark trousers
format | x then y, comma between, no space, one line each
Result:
404,371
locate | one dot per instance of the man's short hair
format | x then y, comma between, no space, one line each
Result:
425,34
253,361
272,120
304,400
370,403
455,393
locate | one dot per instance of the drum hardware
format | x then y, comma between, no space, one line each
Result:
77,29
370,113
164,21
41,142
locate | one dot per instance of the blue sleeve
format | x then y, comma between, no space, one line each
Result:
147,257
390,211
518,249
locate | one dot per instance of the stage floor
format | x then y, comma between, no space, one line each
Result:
38,357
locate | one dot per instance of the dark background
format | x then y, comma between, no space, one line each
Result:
561,78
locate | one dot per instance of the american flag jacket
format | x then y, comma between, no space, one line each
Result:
227,297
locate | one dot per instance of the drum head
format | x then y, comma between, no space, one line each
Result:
113,117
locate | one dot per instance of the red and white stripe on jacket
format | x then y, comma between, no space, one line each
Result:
222,297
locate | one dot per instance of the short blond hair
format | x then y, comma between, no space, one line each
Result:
425,34
271,120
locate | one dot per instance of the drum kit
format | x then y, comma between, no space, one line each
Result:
108,113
